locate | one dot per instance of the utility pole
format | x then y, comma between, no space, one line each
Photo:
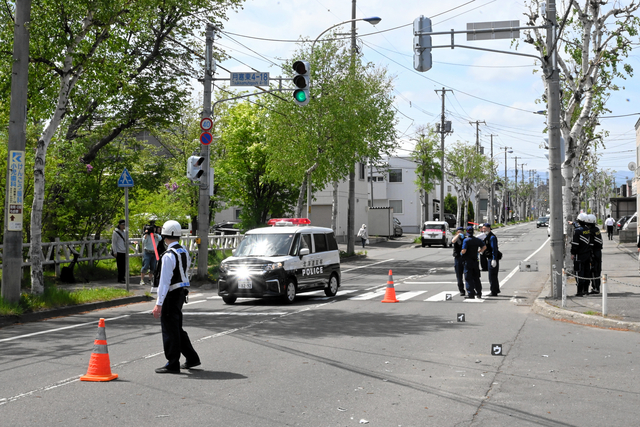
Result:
555,177
14,192
517,208
477,123
351,202
443,131
504,197
203,203
491,186
523,207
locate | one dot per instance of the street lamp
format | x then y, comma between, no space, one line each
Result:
373,20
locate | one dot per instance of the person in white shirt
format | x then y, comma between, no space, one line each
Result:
119,249
172,287
363,234
609,222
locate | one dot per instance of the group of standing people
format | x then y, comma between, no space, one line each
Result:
586,253
466,250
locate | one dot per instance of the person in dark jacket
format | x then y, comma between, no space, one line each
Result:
491,254
581,255
470,248
457,258
596,253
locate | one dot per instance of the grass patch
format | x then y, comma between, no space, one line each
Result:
592,313
54,297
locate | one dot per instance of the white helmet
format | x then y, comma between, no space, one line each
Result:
171,228
582,217
591,219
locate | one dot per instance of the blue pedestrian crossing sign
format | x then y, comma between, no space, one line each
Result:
125,179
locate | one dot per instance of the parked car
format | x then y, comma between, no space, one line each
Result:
543,221
225,227
397,230
631,222
436,233
621,222
450,219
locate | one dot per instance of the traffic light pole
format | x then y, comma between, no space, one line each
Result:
203,202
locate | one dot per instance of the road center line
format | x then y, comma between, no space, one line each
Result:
368,265
94,322
510,275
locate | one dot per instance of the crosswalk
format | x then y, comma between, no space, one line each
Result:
375,294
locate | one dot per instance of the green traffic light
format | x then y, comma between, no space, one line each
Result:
300,95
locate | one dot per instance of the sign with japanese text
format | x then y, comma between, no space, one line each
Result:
249,79
16,190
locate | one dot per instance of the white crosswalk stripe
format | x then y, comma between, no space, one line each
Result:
340,293
369,295
403,296
442,296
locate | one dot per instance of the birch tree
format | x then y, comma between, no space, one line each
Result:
426,155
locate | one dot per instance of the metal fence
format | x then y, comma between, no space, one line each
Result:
58,252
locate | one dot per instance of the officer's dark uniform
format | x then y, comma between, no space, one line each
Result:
459,261
581,251
175,340
596,258
471,265
491,253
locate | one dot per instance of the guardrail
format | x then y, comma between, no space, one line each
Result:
58,252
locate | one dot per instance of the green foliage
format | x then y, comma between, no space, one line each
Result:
242,170
470,212
451,204
427,155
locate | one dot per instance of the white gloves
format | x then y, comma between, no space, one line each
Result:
493,263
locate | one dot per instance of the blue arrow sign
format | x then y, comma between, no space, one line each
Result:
125,179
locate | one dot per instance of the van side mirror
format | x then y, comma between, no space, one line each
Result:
304,251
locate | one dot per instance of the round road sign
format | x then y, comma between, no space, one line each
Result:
206,124
206,138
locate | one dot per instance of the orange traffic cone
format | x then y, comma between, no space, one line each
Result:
390,294
99,365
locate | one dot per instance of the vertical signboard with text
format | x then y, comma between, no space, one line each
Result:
16,190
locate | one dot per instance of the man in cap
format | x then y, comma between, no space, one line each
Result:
458,260
470,248
493,261
581,255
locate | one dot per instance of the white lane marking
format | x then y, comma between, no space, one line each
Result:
376,286
474,300
429,283
368,295
94,322
239,299
402,296
193,302
235,313
442,296
340,293
368,265
195,295
510,275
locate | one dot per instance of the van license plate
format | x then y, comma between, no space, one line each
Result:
244,283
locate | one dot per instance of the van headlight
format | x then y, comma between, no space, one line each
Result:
271,267
224,268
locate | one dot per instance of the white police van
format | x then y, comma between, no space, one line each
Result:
288,258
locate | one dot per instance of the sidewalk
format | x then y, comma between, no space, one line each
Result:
620,264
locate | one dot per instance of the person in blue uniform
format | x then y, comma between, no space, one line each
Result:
470,248
581,255
458,262
491,254
172,287
596,253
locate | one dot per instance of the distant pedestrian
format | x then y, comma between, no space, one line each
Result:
172,293
596,254
493,260
458,260
363,235
581,255
470,248
610,223
148,253
119,248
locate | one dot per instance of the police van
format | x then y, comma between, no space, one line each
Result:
288,258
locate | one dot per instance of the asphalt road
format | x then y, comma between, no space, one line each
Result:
340,361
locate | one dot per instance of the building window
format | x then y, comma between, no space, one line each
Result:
396,205
362,168
237,214
395,175
375,178
448,189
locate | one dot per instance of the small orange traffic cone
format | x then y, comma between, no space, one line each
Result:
390,294
99,365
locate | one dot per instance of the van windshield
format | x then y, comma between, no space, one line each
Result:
264,245
429,226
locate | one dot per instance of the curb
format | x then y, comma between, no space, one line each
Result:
542,307
70,310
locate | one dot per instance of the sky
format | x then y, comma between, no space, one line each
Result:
498,89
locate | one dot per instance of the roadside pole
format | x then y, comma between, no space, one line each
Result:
126,181
555,176
203,203
12,252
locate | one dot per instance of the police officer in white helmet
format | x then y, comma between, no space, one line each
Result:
581,254
172,287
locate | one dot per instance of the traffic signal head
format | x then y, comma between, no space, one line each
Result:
194,167
421,44
301,79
